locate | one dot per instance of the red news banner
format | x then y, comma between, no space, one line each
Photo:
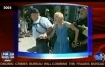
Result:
98,35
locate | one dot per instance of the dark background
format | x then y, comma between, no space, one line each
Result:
7,32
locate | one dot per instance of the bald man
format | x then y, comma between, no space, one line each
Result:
83,30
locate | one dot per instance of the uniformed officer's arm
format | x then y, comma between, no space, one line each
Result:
72,26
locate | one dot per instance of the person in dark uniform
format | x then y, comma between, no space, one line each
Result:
81,24
40,29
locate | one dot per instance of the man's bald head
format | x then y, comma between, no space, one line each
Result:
83,12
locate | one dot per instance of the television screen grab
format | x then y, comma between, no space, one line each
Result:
52,34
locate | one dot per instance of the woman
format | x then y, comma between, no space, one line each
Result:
61,29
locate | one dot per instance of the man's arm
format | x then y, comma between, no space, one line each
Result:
49,31
72,26
76,31
47,34
52,32
48,25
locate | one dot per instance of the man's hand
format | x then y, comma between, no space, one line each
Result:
74,44
43,36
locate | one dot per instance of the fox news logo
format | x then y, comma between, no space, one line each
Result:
7,56
99,57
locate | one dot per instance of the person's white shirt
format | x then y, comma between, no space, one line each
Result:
45,22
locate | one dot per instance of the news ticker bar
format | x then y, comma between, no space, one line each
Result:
52,63
8,7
